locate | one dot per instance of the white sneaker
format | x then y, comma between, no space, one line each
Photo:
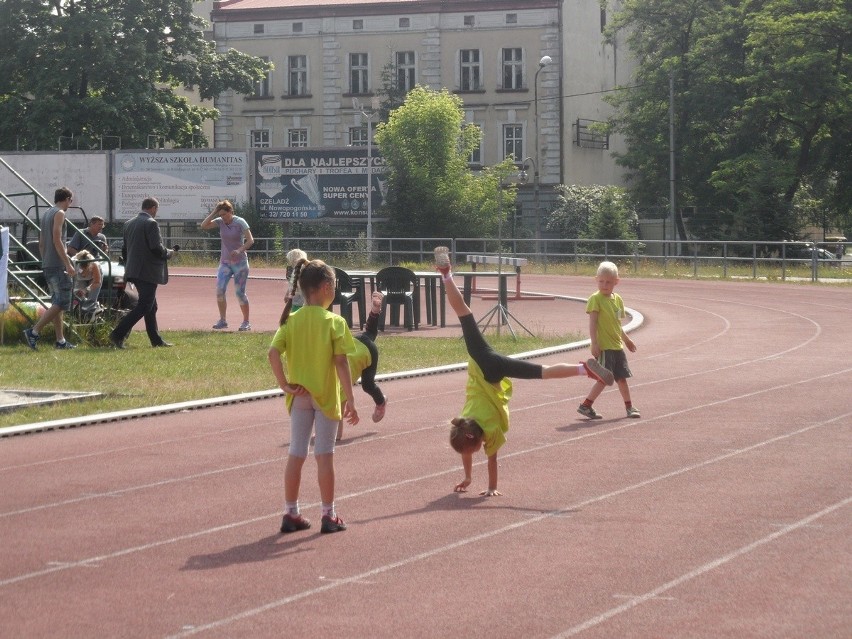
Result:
220,324
245,326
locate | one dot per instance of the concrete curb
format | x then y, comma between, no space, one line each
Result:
636,320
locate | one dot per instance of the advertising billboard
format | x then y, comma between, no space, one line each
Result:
86,173
187,184
318,184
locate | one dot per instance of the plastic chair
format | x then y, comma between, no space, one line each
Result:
349,291
401,287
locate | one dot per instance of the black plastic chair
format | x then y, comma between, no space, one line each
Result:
349,291
400,287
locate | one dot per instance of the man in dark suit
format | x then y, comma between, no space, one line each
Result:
146,265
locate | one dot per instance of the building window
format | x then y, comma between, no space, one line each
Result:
513,69
469,21
260,138
258,28
513,141
297,137
471,70
263,88
298,27
405,71
297,75
475,158
358,136
404,23
358,73
511,18
357,25
603,19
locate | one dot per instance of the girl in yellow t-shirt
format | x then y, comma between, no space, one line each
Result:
315,343
484,421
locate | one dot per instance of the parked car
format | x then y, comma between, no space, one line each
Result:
809,252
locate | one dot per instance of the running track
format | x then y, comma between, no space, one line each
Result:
726,511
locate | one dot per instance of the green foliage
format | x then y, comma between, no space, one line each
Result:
595,212
763,105
431,190
86,68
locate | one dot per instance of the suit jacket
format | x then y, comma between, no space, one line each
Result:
145,257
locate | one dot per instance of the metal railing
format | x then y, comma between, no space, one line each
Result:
724,259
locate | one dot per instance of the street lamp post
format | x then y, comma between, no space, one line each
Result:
545,60
369,117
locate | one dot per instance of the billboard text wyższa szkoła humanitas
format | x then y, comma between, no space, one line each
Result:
307,184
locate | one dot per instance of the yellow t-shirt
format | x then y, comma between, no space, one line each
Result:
489,406
610,311
309,340
358,360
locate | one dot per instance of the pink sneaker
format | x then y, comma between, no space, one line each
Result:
598,372
379,411
442,260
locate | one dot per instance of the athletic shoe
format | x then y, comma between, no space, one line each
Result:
32,338
330,525
442,260
596,371
633,412
292,524
245,326
64,345
379,412
116,343
589,412
220,324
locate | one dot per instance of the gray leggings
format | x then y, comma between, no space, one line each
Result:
305,416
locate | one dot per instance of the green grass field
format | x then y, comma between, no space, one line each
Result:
202,365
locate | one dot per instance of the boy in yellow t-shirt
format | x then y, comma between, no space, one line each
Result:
608,339
484,421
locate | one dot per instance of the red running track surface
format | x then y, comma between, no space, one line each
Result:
725,511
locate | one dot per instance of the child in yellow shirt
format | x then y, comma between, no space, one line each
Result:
485,417
315,343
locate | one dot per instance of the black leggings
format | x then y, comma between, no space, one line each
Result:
368,375
494,366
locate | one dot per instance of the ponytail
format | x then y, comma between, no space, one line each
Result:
291,292
309,276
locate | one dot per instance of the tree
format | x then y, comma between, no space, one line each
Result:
595,213
431,190
109,67
763,105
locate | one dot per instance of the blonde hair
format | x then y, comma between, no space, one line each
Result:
84,258
294,255
608,268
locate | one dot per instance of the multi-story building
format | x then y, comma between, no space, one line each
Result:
531,73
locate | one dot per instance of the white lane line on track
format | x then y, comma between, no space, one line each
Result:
124,449
595,433
245,614
700,570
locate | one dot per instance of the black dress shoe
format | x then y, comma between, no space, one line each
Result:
163,345
116,343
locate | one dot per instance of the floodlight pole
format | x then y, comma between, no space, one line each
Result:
369,117
545,60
